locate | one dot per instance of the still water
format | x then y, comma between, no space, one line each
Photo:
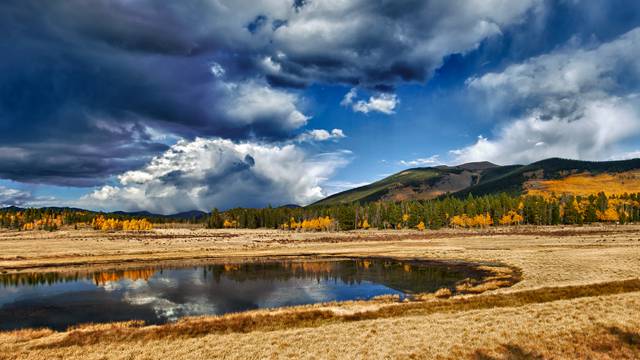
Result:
161,294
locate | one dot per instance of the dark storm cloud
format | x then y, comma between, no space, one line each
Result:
380,43
88,89
75,81
116,80
72,164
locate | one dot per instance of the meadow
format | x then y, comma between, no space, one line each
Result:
562,292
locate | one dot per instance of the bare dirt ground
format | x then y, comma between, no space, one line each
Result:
578,296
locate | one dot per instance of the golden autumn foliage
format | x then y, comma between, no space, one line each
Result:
420,226
511,218
459,220
365,224
480,220
586,184
49,222
110,224
315,224
136,225
230,224
609,215
46,219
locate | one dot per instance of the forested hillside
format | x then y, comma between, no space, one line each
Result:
486,178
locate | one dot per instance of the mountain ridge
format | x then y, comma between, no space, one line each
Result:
477,178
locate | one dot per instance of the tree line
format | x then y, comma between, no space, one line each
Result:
483,211
470,212
51,219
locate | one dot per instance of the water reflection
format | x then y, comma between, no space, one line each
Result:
160,294
98,278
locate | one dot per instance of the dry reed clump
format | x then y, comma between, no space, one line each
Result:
471,287
443,293
296,318
501,276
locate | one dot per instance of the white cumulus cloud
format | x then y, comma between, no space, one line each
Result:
574,102
321,135
207,173
429,161
383,102
255,102
14,197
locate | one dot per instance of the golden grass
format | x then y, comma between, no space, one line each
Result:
579,297
585,327
298,318
586,184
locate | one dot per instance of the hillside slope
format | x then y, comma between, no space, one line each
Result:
522,179
553,175
416,183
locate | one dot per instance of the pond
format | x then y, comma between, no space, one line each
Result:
160,294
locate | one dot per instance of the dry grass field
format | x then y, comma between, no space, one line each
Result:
577,295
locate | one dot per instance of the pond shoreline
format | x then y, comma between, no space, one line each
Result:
409,278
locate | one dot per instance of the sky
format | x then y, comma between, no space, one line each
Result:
195,104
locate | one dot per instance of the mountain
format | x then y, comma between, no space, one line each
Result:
417,183
186,215
553,175
563,176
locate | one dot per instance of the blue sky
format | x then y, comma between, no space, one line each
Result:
135,105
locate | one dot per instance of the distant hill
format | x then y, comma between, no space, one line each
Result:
136,213
482,178
193,214
289,206
197,214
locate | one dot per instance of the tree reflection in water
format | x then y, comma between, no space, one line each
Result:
165,293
